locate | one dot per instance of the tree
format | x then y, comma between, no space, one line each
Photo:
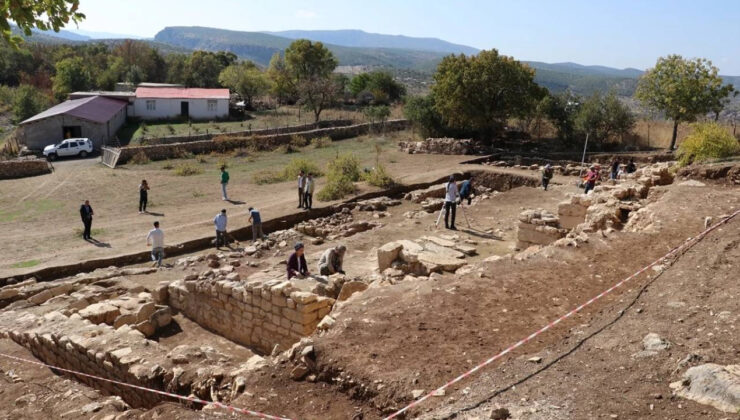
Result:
309,65
202,68
71,76
561,110
422,113
481,92
42,14
380,84
246,80
683,89
28,101
604,116
283,87
378,113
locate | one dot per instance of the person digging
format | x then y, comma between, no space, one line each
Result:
332,260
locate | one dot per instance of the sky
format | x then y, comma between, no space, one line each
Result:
617,33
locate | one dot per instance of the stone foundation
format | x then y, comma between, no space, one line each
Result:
538,227
257,314
21,168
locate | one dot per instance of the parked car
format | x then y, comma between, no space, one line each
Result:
70,147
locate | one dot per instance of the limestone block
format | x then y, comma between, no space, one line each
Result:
387,254
435,262
448,252
124,319
299,317
348,289
162,317
145,311
161,295
410,251
303,297
101,313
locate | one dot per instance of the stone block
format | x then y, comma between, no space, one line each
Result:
387,254
348,289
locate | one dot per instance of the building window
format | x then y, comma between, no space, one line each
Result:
212,106
151,105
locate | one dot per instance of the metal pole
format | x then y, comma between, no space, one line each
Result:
583,159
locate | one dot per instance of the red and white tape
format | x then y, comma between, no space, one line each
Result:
523,341
155,391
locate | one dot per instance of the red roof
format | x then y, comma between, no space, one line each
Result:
181,93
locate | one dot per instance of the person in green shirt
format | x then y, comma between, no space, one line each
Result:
224,183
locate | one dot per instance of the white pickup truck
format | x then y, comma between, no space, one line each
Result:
70,147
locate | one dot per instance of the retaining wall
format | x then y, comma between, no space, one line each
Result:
247,133
22,168
269,142
256,314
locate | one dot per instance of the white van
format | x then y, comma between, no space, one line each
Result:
70,147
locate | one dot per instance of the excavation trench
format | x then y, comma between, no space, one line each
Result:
258,315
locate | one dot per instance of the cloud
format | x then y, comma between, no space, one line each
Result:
305,14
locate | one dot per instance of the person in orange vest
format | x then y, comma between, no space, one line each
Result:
590,180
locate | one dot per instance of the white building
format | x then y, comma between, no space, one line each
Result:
161,103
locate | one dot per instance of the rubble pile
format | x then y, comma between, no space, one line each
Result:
338,225
440,146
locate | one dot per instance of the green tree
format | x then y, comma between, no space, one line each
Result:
42,14
283,87
561,110
246,80
380,84
683,89
203,68
604,116
71,75
310,65
378,113
28,101
481,92
422,113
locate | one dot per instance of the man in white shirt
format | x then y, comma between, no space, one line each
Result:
155,238
220,222
301,185
451,196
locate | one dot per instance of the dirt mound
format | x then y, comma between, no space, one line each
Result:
727,173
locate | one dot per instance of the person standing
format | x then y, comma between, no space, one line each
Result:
86,213
547,173
220,222
308,191
297,266
451,196
615,169
466,190
590,181
143,196
256,221
224,183
332,260
155,238
301,186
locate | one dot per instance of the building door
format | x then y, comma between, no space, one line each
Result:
71,132
185,109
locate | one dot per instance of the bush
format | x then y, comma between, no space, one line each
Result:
289,172
379,177
140,158
202,159
707,141
321,142
347,165
168,166
298,141
187,169
344,170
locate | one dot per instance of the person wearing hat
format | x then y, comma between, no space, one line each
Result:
220,222
332,260
590,180
297,266
451,196
547,173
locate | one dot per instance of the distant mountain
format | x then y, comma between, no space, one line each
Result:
64,34
260,47
574,68
362,39
103,35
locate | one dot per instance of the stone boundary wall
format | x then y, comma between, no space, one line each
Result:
270,142
256,314
572,158
247,133
21,168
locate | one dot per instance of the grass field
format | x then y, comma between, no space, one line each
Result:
134,131
39,216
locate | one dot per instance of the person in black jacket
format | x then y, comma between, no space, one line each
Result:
86,213
297,266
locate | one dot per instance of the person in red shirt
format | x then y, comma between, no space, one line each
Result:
590,180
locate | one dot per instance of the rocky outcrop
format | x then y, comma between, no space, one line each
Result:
422,257
711,384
